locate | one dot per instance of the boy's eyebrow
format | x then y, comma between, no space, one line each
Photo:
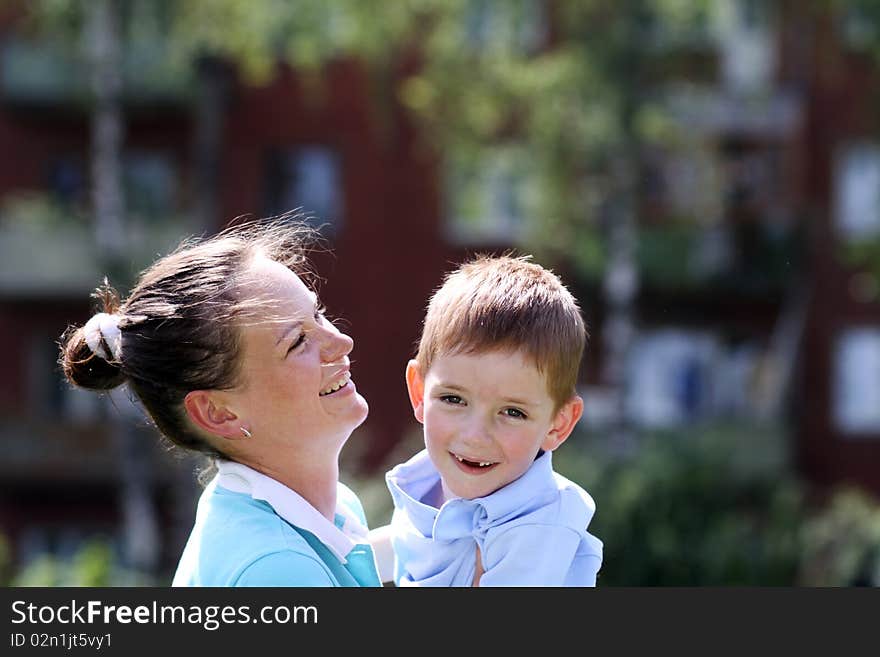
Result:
507,400
451,386
518,402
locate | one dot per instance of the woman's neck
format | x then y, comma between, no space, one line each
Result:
315,484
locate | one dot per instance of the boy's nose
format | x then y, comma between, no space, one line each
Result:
475,434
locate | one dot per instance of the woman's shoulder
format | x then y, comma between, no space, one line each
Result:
241,541
253,524
347,498
287,567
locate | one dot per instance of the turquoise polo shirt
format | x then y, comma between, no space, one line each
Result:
251,530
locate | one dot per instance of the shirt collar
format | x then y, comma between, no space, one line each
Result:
533,488
340,538
409,482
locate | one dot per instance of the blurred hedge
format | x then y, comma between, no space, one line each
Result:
710,506
720,506
715,505
93,564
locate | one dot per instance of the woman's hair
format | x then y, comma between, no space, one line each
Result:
180,324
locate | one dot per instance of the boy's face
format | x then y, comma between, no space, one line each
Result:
485,417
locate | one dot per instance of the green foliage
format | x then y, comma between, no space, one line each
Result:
864,256
859,21
567,90
669,256
94,564
5,560
842,543
718,506
52,53
488,74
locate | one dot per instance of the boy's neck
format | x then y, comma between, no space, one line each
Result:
436,496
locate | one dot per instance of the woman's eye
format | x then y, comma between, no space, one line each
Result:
451,399
300,340
514,412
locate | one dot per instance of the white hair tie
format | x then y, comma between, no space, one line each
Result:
104,326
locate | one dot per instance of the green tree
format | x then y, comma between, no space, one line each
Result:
561,89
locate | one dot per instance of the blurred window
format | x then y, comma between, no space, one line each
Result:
48,395
44,390
670,377
692,183
747,41
513,26
858,27
68,181
856,382
150,182
308,178
857,191
485,198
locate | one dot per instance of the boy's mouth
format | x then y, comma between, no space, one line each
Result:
472,466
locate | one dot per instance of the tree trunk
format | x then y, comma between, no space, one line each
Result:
620,286
140,540
621,282
210,110
209,113
107,194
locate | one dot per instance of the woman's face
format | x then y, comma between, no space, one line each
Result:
296,384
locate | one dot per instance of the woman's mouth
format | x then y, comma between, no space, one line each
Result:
472,467
337,385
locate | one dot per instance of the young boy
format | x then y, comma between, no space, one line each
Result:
493,383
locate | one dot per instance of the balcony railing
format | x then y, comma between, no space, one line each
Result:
59,256
47,74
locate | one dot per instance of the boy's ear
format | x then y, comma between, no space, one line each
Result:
563,424
208,412
415,386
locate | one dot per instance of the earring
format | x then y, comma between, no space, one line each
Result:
247,434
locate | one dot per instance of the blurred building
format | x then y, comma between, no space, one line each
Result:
759,310
279,147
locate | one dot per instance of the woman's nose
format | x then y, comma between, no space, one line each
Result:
336,344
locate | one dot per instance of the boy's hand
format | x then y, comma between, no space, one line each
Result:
478,570
380,541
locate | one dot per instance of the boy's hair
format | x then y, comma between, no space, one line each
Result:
507,303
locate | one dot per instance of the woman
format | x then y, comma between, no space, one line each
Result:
230,354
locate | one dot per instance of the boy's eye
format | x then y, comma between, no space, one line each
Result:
451,399
514,412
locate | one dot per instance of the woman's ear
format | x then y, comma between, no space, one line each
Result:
563,423
415,386
207,411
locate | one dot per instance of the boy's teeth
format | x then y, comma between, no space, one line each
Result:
482,464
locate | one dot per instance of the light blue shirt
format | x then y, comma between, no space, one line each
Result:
532,532
252,530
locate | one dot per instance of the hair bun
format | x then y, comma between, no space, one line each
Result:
85,368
